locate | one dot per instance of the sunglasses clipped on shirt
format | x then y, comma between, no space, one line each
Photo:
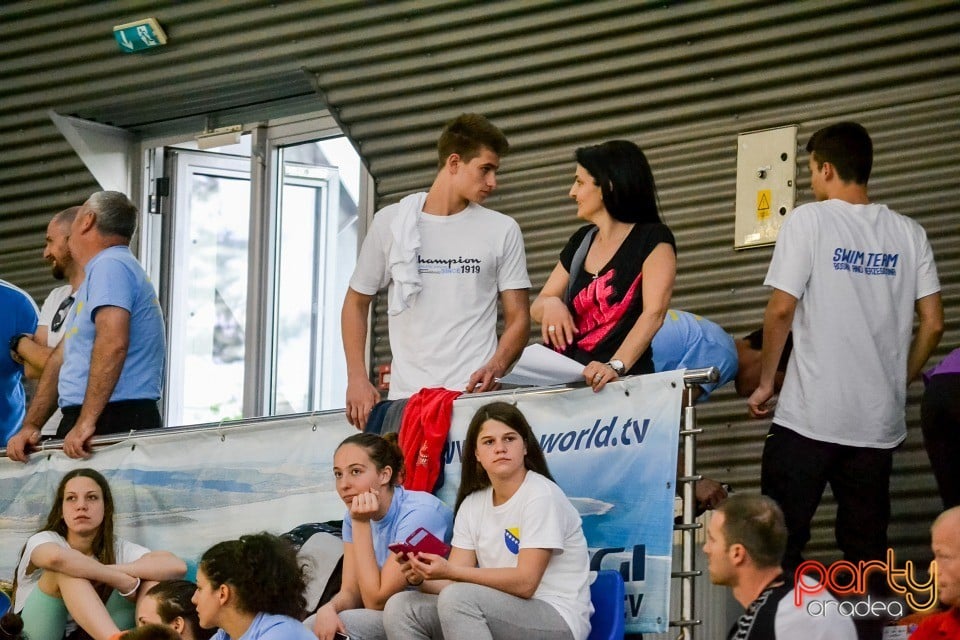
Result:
61,314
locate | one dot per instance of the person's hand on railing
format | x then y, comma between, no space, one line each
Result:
22,443
77,443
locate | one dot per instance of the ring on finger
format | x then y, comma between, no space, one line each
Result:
552,329
598,377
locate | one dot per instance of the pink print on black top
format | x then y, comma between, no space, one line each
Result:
607,307
597,310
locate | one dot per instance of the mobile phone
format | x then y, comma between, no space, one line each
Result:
421,541
340,636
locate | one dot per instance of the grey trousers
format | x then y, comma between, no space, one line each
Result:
464,610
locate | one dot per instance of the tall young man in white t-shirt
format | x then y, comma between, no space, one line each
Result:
848,276
446,260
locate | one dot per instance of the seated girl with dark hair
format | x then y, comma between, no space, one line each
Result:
368,470
171,603
519,567
251,588
75,572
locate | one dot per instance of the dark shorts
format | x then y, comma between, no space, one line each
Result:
117,417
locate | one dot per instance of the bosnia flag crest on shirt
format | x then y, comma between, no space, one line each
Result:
511,537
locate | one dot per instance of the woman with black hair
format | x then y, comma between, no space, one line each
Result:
251,588
171,603
519,567
75,572
608,295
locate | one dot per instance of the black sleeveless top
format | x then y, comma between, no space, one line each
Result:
606,305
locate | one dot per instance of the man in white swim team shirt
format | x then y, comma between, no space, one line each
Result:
446,260
848,276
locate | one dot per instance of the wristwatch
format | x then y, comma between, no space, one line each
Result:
15,341
618,368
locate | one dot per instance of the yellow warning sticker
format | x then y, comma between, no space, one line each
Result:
764,196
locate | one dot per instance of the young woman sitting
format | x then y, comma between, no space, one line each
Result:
368,470
519,566
75,571
251,588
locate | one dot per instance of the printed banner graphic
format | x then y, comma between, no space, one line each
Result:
613,453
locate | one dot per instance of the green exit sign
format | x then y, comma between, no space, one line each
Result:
139,36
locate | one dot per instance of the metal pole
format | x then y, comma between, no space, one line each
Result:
688,525
692,376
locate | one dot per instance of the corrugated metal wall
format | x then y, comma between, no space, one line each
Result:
681,79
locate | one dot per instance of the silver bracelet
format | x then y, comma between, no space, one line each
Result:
132,591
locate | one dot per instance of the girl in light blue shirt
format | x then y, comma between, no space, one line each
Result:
252,589
368,470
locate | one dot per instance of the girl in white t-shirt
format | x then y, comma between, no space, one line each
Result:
75,563
519,566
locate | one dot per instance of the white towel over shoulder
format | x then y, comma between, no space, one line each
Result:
404,270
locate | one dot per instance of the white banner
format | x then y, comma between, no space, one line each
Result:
613,453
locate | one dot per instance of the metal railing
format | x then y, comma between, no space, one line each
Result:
688,524
688,432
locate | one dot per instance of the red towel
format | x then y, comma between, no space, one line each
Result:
423,432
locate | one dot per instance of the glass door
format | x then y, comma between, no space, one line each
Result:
317,205
253,246
209,228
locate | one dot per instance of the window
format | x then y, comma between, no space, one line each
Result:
316,251
253,261
206,317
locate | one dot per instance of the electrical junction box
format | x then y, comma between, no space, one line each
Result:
766,184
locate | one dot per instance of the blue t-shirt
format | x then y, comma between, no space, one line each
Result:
688,341
408,511
267,626
18,314
114,278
